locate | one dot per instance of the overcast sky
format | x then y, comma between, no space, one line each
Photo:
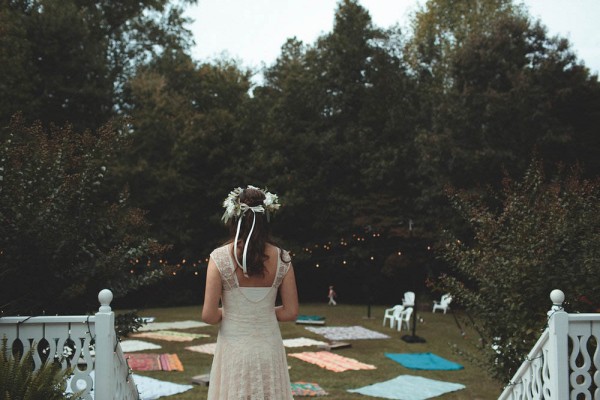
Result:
253,31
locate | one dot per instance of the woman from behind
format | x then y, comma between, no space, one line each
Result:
246,275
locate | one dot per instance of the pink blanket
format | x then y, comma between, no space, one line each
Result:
331,361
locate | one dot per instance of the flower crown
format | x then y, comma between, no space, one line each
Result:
236,209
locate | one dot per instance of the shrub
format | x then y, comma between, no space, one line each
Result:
65,233
537,235
128,323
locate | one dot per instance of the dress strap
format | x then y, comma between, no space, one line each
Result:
283,265
224,263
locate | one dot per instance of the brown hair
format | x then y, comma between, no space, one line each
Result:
261,235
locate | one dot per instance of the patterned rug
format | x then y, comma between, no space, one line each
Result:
159,326
347,332
307,389
171,336
408,387
301,342
331,361
153,362
424,361
208,348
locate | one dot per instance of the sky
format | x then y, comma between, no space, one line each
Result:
253,31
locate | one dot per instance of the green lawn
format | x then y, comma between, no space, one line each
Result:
440,332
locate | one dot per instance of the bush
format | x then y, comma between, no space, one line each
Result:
128,323
536,235
65,233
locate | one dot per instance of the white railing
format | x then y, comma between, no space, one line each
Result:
100,371
565,361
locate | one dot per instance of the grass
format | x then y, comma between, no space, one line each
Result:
442,335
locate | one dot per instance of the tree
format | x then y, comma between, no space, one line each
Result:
68,61
536,235
190,141
64,234
340,118
495,88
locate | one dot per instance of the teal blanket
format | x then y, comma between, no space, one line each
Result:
310,318
408,387
426,361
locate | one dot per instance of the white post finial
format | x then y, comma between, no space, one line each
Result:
105,297
558,297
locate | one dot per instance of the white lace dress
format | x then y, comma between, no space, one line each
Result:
250,361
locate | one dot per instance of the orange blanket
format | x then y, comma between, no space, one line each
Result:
331,361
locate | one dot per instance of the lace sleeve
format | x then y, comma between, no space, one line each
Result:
284,263
223,261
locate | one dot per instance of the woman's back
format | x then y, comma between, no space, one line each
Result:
250,360
245,277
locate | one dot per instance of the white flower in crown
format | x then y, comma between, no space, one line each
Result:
233,207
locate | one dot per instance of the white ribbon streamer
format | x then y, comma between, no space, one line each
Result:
245,207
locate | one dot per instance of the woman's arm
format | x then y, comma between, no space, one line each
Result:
288,311
211,313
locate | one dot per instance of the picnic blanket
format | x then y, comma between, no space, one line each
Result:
301,342
331,361
129,346
148,388
347,332
310,319
159,326
171,336
153,362
408,387
307,389
426,361
208,348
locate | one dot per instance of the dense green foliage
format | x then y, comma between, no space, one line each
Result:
65,233
68,60
537,235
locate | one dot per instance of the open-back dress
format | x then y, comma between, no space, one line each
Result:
250,361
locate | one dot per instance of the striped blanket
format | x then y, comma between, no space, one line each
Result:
153,362
331,361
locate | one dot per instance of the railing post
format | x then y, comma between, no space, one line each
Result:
105,339
558,357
